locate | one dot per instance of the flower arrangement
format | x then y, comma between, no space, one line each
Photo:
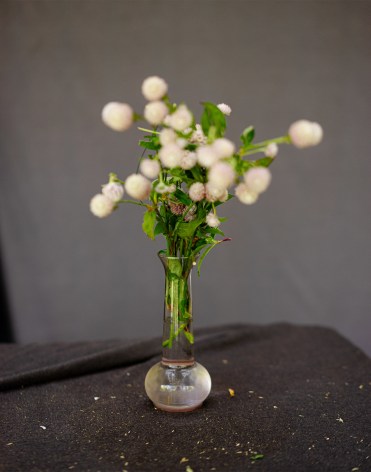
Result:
190,169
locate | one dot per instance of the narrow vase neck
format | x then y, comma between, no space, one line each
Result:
177,342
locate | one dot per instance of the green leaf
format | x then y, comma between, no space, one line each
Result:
149,145
242,166
197,174
149,220
182,197
214,231
203,255
186,230
159,229
247,136
264,162
213,120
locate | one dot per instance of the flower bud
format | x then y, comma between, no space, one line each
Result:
245,195
101,206
118,116
167,136
223,148
154,88
214,192
150,168
258,179
171,155
198,136
271,150
206,156
155,112
197,191
222,174
188,160
225,109
181,119
212,220
114,191
138,186
304,133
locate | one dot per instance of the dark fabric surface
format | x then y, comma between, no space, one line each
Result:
302,399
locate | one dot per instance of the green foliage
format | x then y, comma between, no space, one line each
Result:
247,136
186,229
241,166
179,175
204,254
213,121
149,145
160,229
182,197
149,221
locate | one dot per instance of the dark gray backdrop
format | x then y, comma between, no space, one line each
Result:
302,254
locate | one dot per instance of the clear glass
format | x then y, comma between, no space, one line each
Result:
177,383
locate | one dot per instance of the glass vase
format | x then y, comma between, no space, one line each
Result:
177,383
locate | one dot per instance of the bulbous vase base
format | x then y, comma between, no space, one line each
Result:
176,387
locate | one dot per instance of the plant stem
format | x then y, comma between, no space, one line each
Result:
259,147
148,130
133,202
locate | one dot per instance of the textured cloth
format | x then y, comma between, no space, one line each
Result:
302,400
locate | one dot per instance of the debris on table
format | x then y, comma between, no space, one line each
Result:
231,392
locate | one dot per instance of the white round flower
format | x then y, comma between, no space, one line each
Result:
198,136
155,112
271,150
206,156
118,116
212,220
114,191
181,142
154,88
225,196
245,195
181,119
167,136
171,188
197,191
189,160
101,206
150,168
214,192
304,133
223,148
222,174
167,120
227,110
171,155
258,179
138,186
